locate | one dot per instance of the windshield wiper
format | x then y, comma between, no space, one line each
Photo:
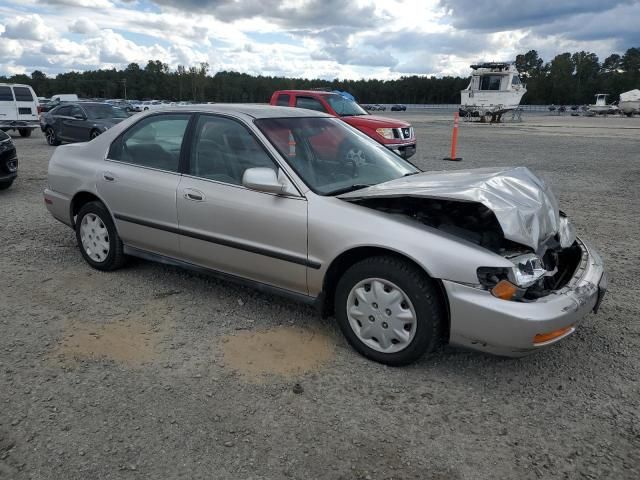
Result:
350,188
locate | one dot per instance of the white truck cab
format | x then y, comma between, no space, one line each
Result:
64,97
18,108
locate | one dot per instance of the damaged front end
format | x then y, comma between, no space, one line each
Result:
509,212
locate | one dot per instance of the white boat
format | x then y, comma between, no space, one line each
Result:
601,106
495,88
630,102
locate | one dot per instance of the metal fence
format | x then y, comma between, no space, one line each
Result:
454,106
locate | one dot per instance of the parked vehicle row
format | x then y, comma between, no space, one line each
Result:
405,260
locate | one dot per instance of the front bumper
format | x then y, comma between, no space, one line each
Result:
483,322
14,124
405,150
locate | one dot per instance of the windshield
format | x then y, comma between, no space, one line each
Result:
332,157
345,107
104,111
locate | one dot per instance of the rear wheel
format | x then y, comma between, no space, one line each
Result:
6,184
24,132
389,310
50,135
97,237
94,134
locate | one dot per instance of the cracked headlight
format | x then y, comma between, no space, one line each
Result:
511,283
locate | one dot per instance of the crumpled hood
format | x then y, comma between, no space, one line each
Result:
523,204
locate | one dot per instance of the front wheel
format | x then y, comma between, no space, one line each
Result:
24,132
97,237
389,310
6,184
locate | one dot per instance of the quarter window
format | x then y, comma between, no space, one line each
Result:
309,103
223,149
154,142
5,94
283,100
23,94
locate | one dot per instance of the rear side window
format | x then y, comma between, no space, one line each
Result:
223,149
5,94
62,111
309,103
154,142
23,94
283,100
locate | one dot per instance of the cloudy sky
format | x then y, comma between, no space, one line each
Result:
307,38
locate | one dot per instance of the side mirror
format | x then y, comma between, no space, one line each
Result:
79,116
263,180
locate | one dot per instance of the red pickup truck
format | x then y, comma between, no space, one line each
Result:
396,135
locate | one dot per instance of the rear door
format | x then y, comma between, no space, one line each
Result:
230,228
139,179
8,111
26,104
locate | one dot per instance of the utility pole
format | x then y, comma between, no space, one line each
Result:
124,83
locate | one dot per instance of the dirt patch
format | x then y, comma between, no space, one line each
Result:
282,351
133,340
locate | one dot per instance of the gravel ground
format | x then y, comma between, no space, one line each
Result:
153,372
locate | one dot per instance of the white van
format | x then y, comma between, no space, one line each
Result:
18,108
64,97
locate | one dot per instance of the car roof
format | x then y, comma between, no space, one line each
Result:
250,109
14,85
308,92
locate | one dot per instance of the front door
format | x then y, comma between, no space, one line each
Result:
230,228
139,179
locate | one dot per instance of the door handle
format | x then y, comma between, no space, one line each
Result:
108,176
193,194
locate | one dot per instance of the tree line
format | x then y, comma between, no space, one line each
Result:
569,78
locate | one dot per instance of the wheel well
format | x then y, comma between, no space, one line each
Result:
79,200
345,260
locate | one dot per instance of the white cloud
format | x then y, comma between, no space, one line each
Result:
83,26
27,27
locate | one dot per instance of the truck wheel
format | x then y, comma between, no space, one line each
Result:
389,310
24,132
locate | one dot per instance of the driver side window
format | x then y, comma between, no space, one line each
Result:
223,149
154,142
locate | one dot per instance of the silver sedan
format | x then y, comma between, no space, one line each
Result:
405,260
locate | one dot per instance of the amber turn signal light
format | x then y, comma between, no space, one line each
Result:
504,290
547,337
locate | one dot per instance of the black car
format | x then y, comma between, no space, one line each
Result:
8,161
398,108
79,121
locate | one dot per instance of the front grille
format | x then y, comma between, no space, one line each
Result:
404,133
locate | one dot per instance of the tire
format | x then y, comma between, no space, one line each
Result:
24,132
6,184
422,300
101,253
52,138
94,134
349,153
